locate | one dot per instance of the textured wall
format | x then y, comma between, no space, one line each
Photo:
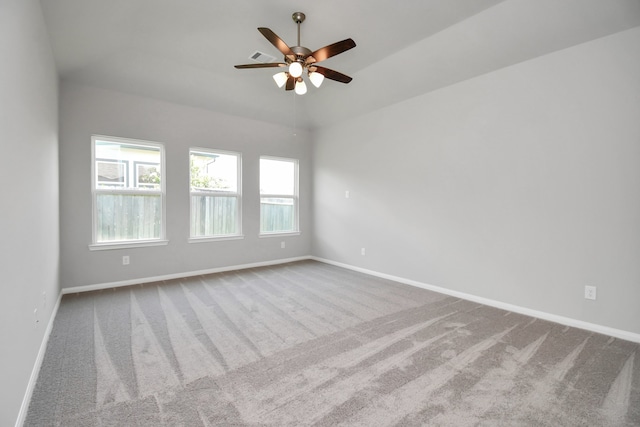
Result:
29,192
521,186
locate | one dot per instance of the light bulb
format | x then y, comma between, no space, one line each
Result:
316,78
295,69
280,78
301,87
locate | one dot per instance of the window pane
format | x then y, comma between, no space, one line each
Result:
277,177
127,217
276,215
127,166
213,216
214,172
217,214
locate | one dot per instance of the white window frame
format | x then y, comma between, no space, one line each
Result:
120,244
295,197
237,195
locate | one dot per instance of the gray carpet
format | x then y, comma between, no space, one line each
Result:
311,344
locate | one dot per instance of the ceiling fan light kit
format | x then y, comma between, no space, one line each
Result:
298,58
316,78
280,78
301,87
295,69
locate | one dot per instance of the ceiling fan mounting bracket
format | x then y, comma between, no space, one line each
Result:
298,17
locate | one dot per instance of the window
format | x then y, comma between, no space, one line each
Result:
215,194
278,195
128,191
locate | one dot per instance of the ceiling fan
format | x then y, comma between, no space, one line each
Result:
299,58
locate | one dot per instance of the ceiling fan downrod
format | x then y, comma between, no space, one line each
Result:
298,18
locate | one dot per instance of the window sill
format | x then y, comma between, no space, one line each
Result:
126,245
280,234
214,239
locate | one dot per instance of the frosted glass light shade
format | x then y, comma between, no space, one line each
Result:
316,78
280,78
295,69
301,87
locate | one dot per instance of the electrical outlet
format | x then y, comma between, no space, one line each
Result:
35,315
282,245
362,251
125,260
590,292
347,194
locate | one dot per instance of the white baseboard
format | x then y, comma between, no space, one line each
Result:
22,415
592,327
130,282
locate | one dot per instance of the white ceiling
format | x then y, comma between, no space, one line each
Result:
184,51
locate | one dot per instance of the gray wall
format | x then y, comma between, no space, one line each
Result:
521,186
86,111
29,264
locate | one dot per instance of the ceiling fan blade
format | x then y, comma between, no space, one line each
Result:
278,43
329,51
265,65
291,83
331,74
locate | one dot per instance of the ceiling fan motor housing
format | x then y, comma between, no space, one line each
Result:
301,54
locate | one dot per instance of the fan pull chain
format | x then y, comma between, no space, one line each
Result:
295,116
